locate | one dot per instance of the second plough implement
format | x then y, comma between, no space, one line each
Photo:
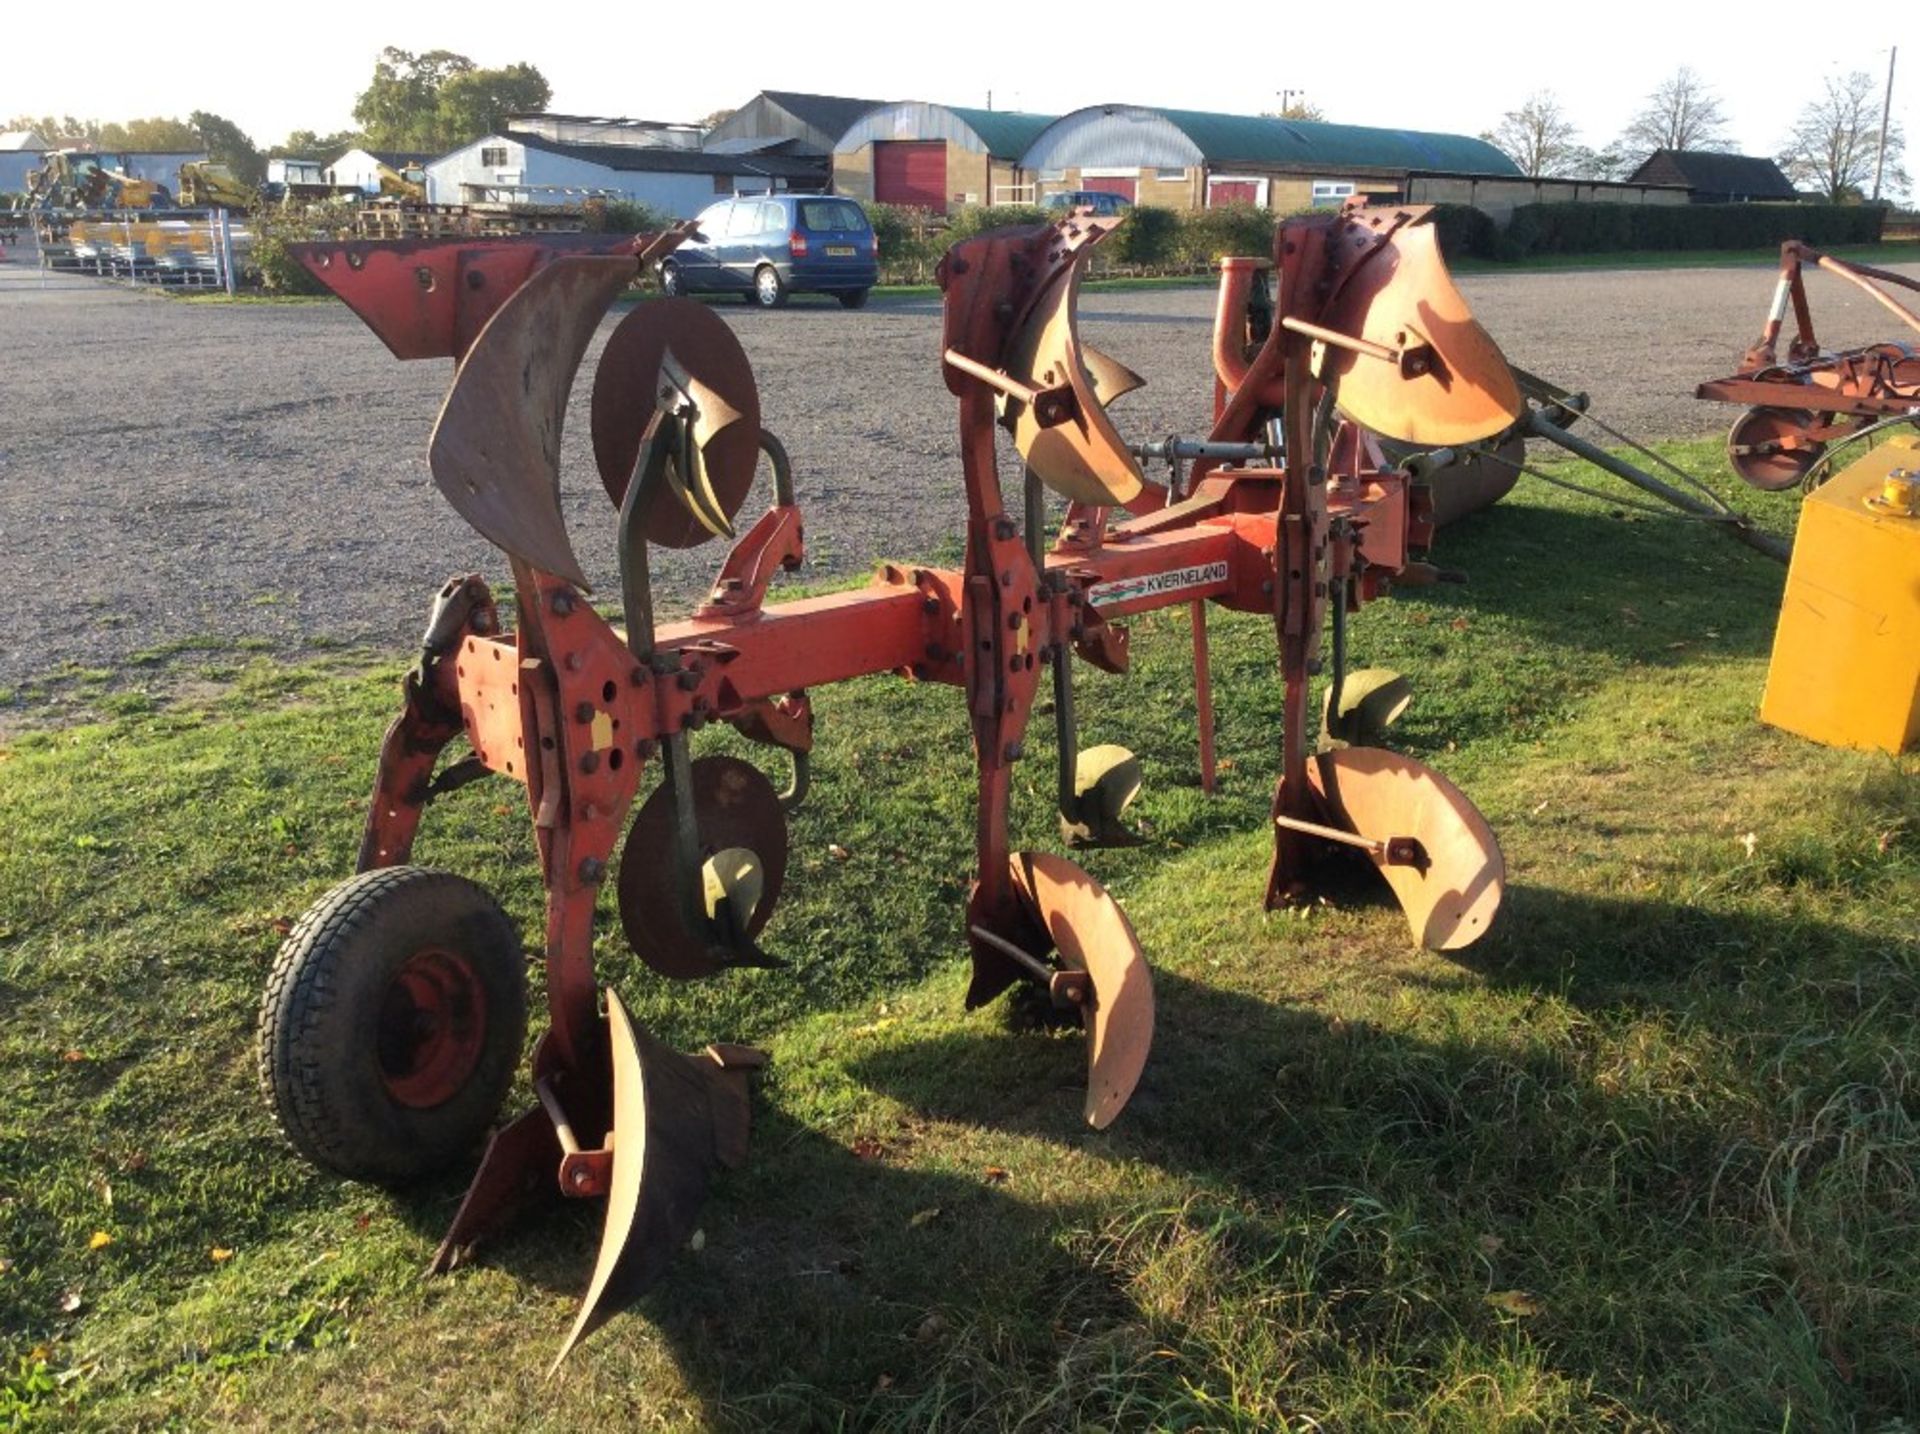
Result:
396,1012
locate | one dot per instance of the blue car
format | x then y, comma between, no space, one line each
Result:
765,247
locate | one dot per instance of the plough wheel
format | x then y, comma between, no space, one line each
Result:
392,1023
1771,449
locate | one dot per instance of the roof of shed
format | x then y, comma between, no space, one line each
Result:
1754,176
1263,139
1005,133
633,158
830,114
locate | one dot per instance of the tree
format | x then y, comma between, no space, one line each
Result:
60,131
226,143
305,144
477,102
1834,147
437,99
157,133
1681,113
1540,139
1301,109
717,118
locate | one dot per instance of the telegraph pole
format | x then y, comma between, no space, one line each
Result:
1886,112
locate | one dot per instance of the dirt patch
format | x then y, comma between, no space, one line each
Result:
170,471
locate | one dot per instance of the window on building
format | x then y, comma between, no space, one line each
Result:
1331,193
1052,176
1170,176
493,156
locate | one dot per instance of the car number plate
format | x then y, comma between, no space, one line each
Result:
839,251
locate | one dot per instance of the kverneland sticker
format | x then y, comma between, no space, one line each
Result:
1121,590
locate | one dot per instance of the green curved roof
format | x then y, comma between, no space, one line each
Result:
1260,139
1005,133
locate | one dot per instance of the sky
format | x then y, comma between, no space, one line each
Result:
1453,68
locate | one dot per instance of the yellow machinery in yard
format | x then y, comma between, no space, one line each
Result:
207,186
1846,656
71,179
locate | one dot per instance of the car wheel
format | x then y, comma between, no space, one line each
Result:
670,282
392,1023
769,289
854,299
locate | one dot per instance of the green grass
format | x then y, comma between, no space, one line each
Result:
1870,254
1647,1158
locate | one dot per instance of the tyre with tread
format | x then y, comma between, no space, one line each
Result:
392,1023
769,289
853,298
671,284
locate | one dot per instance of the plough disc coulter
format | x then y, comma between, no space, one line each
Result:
398,1004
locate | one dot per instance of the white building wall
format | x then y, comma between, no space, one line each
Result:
682,195
357,168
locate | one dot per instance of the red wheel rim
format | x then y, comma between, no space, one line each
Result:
433,1026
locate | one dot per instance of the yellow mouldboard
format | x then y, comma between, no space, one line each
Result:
1846,656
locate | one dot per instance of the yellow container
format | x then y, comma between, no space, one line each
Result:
1846,656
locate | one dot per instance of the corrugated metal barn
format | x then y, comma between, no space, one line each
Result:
1190,159
815,122
522,168
933,156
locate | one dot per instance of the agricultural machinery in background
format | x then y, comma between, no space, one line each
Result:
1816,399
394,1017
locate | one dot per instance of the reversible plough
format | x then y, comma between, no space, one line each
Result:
395,1015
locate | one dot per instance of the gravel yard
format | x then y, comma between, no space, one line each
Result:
173,471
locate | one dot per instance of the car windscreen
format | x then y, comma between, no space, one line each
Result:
818,214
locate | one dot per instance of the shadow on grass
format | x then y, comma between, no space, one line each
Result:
1296,1206
1558,573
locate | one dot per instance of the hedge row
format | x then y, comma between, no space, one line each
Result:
1161,241
1166,241
1612,228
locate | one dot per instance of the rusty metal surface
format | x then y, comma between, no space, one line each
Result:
1082,458
736,807
1092,935
626,392
496,445
430,298
1402,297
1452,889
674,1118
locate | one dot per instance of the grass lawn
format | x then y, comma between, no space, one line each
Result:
1646,1158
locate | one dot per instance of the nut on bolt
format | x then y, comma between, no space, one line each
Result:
563,601
592,869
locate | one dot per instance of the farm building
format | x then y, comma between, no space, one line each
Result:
361,169
306,172
522,168
933,156
1189,159
1498,197
21,150
813,122
1717,178
598,129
